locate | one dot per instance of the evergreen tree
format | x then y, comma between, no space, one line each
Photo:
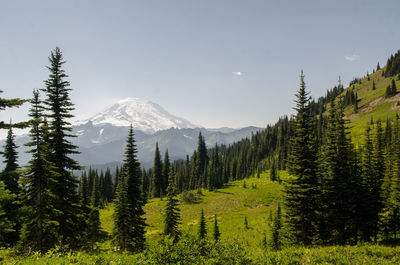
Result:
131,168
10,177
108,186
40,226
84,190
165,172
216,233
6,225
123,222
172,215
276,230
59,106
95,198
246,224
337,172
302,191
202,227
157,174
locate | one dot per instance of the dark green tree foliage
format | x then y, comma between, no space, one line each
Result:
373,85
59,106
108,186
276,241
123,223
391,90
338,189
215,180
376,180
273,173
217,233
95,198
246,224
172,212
131,168
165,173
84,190
6,225
201,162
202,226
10,177
302,191
93,219
9,103
157,174
40,226
390,216
393,65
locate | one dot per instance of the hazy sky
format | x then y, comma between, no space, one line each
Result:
216,63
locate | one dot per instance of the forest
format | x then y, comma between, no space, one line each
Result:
338,193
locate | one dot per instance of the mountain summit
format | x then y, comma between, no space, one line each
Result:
148,117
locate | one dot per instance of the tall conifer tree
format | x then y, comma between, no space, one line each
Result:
59,107
302,191
40,226
172,215
157,174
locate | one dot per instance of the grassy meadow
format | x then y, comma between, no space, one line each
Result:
255,198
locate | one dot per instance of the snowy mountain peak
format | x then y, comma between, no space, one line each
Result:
148,117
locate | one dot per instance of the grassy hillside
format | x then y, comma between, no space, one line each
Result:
256,200
372,103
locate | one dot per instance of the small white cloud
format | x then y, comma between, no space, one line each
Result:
237,73
353,57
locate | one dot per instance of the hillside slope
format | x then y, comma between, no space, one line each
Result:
372,103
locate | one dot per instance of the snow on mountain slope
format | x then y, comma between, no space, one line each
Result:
148,117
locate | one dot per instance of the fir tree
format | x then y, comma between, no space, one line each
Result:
165,172
10,177
40,226
202,226
216,233
59,106
172,215
123,222
157,174
276,230
337,171
132,172
302,192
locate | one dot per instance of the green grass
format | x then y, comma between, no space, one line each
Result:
231,204
372,103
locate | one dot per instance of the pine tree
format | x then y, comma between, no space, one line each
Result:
246,224
6,225
276,230
59,106
165,172
172,215
202,226
123,222
216,233
157,174
108,186
132,172
337,172
93,221
40,226
302,192
373,85
10,177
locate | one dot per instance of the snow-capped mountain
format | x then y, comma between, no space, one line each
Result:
148,117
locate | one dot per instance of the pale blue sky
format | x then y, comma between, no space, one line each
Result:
182,54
